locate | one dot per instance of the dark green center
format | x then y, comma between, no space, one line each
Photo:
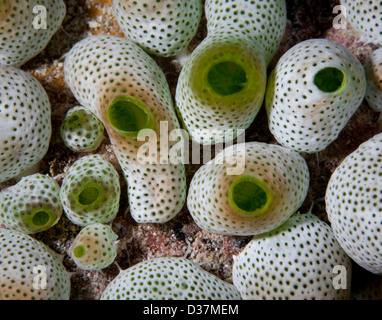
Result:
88,196
227,78
40,218
79,251
128,117
329,79
249,196
72,120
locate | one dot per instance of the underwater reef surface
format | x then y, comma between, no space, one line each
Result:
181,237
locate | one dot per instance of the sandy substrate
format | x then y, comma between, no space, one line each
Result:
181,237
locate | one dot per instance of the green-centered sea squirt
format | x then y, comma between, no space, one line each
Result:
315,88
91,191
222,84
221,87
94,248
32,205
81,131
124,87
271,185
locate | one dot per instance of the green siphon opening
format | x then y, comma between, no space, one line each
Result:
227,78
79,251
40,218
329,80
88,196
249,195
128,116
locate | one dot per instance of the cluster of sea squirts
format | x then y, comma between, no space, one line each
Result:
248,189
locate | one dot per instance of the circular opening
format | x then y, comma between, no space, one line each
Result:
79,251
249,195
329,79
128,116
88,196
227,78
40,218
